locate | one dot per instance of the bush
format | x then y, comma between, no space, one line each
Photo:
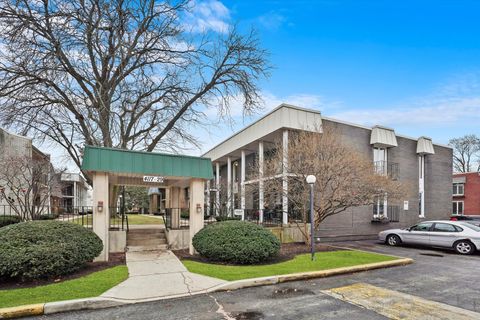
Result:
227,218
236,242
51,216
42,249
7,220
185,214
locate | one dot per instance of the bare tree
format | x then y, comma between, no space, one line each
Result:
113,73
345,178
27,185
466,153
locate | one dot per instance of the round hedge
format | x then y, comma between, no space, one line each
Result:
236,242
42,249
7,220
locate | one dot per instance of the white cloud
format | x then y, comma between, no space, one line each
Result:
437,114
270,101
210,15
272,20
456,102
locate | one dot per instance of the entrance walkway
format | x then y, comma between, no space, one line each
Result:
158,274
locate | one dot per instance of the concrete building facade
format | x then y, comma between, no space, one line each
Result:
75,191
13,145
420,164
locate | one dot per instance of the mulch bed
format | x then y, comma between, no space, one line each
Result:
115,259
287,252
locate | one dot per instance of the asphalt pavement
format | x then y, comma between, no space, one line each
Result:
437,275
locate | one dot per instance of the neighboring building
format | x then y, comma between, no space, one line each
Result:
75,191
13,145
422,165
466,193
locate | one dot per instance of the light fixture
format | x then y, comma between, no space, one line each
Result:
311,179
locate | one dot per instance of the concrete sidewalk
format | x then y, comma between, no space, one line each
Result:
157,274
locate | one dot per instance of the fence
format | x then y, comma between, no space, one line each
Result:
81,215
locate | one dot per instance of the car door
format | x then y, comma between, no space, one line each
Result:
418,234
444,234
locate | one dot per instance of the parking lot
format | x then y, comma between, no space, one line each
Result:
437,275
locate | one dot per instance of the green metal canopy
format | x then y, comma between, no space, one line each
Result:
113,160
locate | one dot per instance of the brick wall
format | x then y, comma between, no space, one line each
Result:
471,197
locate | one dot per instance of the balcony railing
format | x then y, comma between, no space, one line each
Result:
390,169
392,214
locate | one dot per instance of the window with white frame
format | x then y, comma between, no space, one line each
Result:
458,189
458,207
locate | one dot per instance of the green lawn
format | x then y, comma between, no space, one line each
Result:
91,285
133,219
301,263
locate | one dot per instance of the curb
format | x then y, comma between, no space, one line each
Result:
246,283
100,303
22,311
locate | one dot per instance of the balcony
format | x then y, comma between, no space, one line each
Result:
390,169
392,214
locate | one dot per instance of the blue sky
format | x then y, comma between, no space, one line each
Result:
411,65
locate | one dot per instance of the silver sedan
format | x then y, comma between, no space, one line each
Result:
463,237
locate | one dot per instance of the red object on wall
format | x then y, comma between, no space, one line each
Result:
471,196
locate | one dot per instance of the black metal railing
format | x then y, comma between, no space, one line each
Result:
118,219
177,218
393,213
390,169
81,215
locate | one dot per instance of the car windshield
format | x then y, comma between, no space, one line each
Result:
471,226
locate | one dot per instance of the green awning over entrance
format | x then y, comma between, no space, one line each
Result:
112,160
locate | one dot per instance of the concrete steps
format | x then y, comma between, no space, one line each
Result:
146,240
147,248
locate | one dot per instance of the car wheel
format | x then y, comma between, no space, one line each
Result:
464,247
393,240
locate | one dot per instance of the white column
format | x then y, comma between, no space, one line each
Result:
229,185
207,196
101,215
217,186
75,196
242,181
285,177
196,208
260,182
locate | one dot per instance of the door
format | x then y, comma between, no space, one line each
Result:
419,234
443,235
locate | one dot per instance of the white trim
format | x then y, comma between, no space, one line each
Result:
463,207
421,185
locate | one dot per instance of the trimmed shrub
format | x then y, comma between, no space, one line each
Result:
7,220
42,249
236,242
185,214
51,216
227,218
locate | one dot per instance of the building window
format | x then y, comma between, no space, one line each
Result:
458,189
421,186
458,207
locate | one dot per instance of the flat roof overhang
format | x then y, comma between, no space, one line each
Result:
128,163
267,129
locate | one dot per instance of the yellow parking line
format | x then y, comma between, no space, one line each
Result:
397,305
